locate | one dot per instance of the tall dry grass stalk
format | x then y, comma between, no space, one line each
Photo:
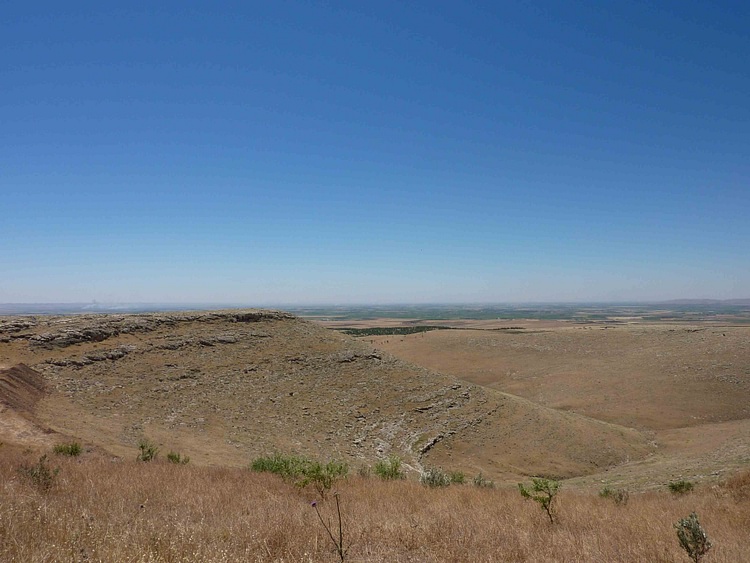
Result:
101,510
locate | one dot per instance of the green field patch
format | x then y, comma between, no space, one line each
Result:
388,331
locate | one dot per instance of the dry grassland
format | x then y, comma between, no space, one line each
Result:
105,510
687,386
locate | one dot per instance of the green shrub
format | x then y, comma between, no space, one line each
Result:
389,469
322,476
692,537
302,471
481,481
620,496
72,449
286,466
542,491
457,477
40,474
680,487
435,477
148,450
176,458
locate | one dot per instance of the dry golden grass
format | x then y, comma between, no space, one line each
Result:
104,510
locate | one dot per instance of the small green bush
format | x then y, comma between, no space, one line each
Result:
72,449
302,471
457,477
177,459
619,496
322,476
692,537
481,481
389,469
148,450
435,477
40,474
544,492
286,466
680,487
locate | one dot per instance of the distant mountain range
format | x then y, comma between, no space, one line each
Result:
730,302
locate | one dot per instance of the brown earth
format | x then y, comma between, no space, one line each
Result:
224,387
688,385
649,377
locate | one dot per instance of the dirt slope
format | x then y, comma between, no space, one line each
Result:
225,386
645,376
21,388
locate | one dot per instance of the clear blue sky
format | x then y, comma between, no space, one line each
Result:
339,152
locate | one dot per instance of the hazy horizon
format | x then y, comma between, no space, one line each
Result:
297,152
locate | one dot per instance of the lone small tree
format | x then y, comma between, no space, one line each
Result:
542,491
693,537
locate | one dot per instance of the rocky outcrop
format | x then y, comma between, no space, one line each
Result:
67,331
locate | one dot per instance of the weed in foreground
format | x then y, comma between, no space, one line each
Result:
338,542
693,538
542,491
73,449
40,474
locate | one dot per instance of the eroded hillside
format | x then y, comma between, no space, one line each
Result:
225,386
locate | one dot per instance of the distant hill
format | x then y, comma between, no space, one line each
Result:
725,302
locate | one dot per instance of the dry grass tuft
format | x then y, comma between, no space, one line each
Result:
102,510
739,485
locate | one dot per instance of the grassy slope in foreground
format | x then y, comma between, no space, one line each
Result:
162,512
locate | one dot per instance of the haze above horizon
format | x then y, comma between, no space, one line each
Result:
295,152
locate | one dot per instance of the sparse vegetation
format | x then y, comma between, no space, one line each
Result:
619,496
738,486
71,449
213,515
302,471
147,450
389,469
481,481
177,458
337,540
692,537
543,491
41,475
680,487
457,477
435,477
223,514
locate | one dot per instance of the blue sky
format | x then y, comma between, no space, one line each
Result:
369,152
